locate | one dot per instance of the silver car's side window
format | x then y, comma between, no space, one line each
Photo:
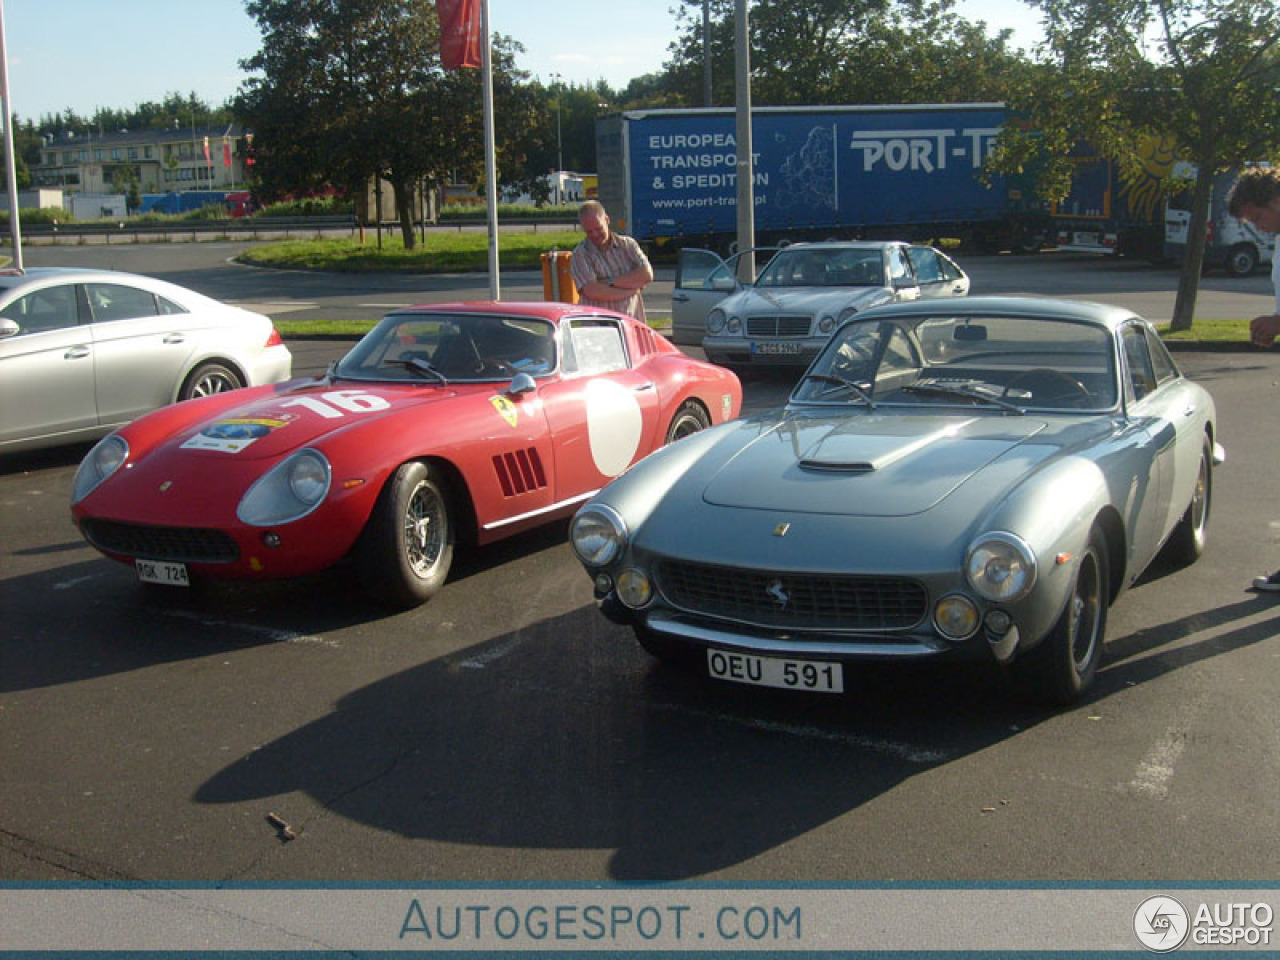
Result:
53,308
1138,360
115,301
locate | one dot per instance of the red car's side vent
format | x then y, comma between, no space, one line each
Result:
519,472
645,343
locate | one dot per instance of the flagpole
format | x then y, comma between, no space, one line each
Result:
490,162
12,174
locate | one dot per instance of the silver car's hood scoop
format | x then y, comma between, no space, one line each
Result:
864,466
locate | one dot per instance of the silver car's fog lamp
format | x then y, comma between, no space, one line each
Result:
288,491
715,321
1000,567
106,457
847,312
955,617
826,324
635,589
735,324
597,535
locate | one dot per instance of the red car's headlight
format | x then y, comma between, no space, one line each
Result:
288,491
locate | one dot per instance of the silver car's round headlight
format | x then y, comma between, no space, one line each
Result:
106,457
1000,567
846,313
735,324
826,324
715,321
598,535
288,491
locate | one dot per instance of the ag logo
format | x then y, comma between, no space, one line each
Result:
1161,924
506,408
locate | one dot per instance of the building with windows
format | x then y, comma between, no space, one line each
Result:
197,158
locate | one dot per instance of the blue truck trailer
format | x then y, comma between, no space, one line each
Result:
871,172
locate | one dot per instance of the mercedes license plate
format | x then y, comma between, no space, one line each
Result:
161,571
781,348
816,675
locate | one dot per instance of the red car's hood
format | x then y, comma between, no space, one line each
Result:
273,425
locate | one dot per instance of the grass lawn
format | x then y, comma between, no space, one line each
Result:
468,253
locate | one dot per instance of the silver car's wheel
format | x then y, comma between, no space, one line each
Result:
1063,666
208,379
407,547
690,418
1188,540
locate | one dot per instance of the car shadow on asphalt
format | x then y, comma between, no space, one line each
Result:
562,735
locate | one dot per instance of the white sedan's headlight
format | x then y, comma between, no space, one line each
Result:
735,324
102,461
846,313
715,321
1001,567
826,324
288,491
598,535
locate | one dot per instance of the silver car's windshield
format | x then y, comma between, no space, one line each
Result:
1003,362
824,267
451,348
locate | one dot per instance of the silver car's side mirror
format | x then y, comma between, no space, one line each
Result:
521,383
8,328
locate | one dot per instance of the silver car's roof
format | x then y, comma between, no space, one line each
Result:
1048,308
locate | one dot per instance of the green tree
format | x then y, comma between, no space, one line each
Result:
837,52
1201,73
343,91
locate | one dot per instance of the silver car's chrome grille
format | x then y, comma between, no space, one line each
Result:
793,601
778,326
176,544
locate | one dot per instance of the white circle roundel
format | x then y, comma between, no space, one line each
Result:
614,426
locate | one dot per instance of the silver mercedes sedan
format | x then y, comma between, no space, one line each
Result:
802,293
976,478
83,352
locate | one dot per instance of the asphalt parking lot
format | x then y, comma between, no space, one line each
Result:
507,732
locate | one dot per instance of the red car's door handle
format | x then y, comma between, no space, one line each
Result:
643,387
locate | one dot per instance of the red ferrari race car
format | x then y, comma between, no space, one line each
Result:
448,423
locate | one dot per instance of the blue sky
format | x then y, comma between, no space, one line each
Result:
85,54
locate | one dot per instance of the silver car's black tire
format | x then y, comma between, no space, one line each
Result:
406,549
1063,666
690,418
208,379
1242,260
1189,536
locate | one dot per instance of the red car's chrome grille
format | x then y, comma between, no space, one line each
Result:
519,472
793,601
778,326
177,544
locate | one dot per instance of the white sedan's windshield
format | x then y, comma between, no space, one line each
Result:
1018,363
818,267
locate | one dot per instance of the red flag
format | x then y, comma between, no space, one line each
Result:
459,33
226,152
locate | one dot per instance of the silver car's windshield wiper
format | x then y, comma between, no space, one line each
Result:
962,391
420,367
849,385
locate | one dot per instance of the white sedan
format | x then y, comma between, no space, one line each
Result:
789,313
83,352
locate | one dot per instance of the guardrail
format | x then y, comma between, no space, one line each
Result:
251,228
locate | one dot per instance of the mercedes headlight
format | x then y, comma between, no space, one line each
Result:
735,324
288,491
1001,567
715,321
826,324
598,535
106,457
847,312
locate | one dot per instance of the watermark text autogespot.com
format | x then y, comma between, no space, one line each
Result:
620,924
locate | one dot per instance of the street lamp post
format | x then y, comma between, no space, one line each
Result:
559,150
